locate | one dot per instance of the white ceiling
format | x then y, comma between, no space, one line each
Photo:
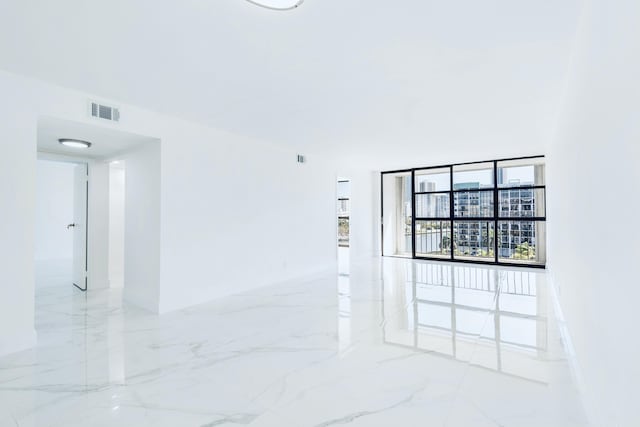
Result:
105,143
387,82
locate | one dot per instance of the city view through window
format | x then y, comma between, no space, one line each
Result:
344,207
487,212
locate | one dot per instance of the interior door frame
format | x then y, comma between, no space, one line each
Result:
86,228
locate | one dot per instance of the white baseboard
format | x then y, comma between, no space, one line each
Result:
242,288
18,341
140,301
358,258
589,404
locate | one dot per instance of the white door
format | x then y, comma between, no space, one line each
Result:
80,198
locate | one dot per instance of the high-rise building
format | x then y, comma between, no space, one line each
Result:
516,203
472,237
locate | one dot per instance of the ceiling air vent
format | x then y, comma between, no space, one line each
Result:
101,111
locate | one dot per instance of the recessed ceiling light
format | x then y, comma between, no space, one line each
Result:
277,4
74,143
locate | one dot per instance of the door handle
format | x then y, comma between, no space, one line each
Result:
70,225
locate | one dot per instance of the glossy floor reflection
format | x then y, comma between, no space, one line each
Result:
392,342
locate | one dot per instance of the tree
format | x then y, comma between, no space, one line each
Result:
524,251
446,242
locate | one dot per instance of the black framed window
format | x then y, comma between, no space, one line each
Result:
489,212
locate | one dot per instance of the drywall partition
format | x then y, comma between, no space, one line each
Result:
364,222
98,225
237,215
593,205
142,227
17,219
116,224
54,210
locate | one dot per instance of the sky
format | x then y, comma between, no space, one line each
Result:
440,177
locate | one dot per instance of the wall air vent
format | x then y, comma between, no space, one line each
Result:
101,111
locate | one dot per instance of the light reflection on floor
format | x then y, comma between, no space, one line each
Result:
491,318
383,342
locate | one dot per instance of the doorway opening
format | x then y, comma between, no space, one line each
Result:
59,225
62,230
344,225
81,217
344,243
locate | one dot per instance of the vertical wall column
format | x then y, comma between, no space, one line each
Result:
142,227
98,225
116,225
17,198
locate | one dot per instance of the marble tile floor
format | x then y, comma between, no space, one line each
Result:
393,342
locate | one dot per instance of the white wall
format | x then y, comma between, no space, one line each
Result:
54,210
364,218
142,227
593,207
237,215
17,218
98,221
116,224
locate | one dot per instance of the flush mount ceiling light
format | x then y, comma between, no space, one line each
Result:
74,143
277,4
